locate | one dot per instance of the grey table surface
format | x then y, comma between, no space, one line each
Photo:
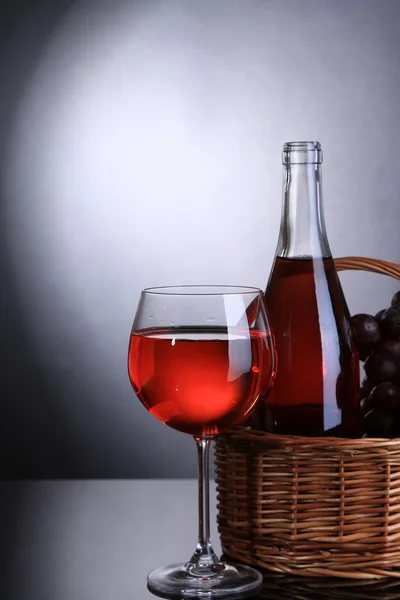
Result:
84,540
97,540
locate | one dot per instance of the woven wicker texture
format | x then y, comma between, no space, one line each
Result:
312,506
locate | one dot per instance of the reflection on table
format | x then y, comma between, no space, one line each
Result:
286,587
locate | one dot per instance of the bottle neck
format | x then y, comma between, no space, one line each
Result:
302,231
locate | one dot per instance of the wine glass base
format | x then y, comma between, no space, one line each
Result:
176,580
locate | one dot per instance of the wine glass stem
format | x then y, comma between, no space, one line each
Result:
204,558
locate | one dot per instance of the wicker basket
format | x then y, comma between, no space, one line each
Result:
312,506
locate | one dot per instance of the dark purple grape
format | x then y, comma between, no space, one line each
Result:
379,314
391,346
367,333
365,405
366,387
390,321
380,424
396,299
385,396
381,366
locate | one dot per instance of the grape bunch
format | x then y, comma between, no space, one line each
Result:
378,343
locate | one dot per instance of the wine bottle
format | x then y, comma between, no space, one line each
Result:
316,390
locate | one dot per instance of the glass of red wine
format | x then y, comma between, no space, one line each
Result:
199,358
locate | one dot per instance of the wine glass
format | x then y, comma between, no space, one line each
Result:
199,358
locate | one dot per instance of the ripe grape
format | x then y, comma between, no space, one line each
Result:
378,343
366,387
381,366
379,314
396,299
390,321
365,404
391,346
380,424
367,333
385,396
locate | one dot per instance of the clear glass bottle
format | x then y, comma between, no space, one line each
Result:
316,391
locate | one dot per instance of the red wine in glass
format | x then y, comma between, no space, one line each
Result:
199,381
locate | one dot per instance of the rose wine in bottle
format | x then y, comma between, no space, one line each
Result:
316,390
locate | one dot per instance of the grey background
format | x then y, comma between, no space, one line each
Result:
141,145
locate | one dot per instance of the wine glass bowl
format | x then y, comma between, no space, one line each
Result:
199,358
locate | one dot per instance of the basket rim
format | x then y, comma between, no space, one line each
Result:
373,265
255,436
